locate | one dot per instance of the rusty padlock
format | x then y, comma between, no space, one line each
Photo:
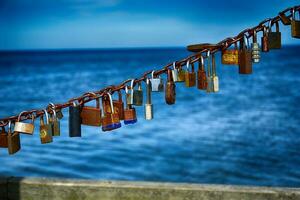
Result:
129,112
110,120
274,39
201,75
3,138
170,93
245,61
119,105
13,140
265,40
295,24
22,127
230,56
90,115
190,76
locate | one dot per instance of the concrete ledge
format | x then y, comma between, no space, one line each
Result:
58,189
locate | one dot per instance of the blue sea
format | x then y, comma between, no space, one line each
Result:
247,134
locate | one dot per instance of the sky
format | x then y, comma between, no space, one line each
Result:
61,24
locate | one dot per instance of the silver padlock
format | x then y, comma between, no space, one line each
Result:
255,48
209,78
148,104
175,72
157,83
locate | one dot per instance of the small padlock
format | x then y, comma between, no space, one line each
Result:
119,106
230,56
215,78
245,61
157,83
75,120
210,85
22,127
295,25
138,96
3,138
45,129
190,76
90,115
175,72
284,19
54,121
129,98
201,75
274,37
148,104
255,48
265,40
13,140
129,112
181,75
170,93
110,120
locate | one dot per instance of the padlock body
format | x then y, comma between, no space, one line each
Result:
230,57
91,116
130,116
202,80
74,121
181,75
119,108
138,97
215,84
190,79
3,140
175,75
295,26
255,52
245,62
157,85
26,128
13,141
110,122
148,111
209,84
59,114
265,44
274,40
46,133
55,124
170,94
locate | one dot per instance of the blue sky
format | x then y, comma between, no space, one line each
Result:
54,24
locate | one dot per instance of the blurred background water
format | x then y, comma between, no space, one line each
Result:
246,134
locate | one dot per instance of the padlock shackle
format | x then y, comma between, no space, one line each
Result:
111,103
52,108
32,116
148,91
47,116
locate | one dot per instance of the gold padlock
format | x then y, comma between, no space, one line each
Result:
22,127
190,76
13,140
230,56
45,129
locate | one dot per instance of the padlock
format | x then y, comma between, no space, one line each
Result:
201,75
284,19
245,61
45,129
157,83
170,93
215,78
129,112
3,138
190,76
265,40
138,96
90,115
210,85
110,119
119,106
274,38
175,72
129,98
230,56
75,120
54,121
255,48
295,25
22,127
181,75
13,140
148,104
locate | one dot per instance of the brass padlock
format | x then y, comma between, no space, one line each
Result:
175,72
110,119
148,104
215,78
245,61
210,85
119,106
13,140
265,40
138,95
22,127
170,93
45,129
230,56
274,38
54,121
129,112
284,19
157,83
295,25
255,48
190,76
201,75
90,115
181,74
74,120
3,138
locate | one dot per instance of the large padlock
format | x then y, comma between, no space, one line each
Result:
54,120
274,37
190,76
157,83
210,86
215,78
284,19
230,56
74,120
3,138
110,120
175,72
295,25
265,40
13,140
22,127
129,112
245,61
119,105
255,48
148,104
201,75
138,95
90,115
170,93
45,129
